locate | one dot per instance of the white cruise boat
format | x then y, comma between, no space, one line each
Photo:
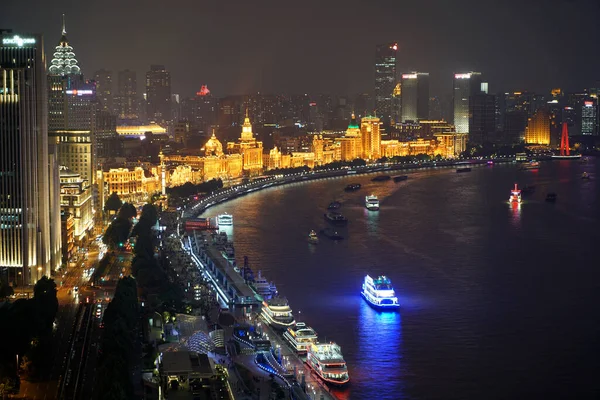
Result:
277,313
372,203
327,361
300,337
263,287
224,220
379,293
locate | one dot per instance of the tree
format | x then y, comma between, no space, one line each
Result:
113,203
127,211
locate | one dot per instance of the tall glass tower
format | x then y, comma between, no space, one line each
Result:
415,96
465,86
385,79
26,247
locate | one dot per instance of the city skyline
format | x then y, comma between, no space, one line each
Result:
442,40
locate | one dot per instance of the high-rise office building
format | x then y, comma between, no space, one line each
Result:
370,137
72,111
104,90
385,79
538,128
465,86
415,96
589,117
127,102
27,244
482,118
158,94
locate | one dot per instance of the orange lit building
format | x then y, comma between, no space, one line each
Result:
370,138
538,128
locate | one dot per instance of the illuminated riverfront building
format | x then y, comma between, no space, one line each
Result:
250,149
132,185
370,138
28,244
76,200
538,128
385,79
465,86
450,144
415,96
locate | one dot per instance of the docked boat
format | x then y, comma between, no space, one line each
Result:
551,197
372,203
585,175
263,288
352,187
463,169
381,178
533,164
335,218
334,205
228,252
400,178
300,337
313,238
379,293
277,313
224,220
331,234
327,361
515,195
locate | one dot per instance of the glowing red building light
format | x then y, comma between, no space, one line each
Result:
203,91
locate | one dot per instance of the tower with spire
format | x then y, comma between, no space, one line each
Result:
63,60
250,149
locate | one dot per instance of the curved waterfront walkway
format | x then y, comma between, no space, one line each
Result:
232,192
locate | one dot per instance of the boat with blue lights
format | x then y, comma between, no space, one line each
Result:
379,293
352,187
533,164
277,313
300,337
334,205
327,361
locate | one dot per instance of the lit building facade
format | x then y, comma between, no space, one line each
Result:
76,200
131,185
451,145
27,243
538,128
351,144
139,131
415,96
465,86
589,117
385,79
370,138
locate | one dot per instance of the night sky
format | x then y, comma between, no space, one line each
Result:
326,46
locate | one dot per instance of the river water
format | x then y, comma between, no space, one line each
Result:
497,302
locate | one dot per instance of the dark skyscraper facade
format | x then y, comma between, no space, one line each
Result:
465,86
127,102
589,117
385,79
415,96
104,90
26,241
482,118
158,94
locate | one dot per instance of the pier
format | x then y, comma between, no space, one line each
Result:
231,288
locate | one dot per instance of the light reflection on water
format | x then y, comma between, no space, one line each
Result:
380,358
